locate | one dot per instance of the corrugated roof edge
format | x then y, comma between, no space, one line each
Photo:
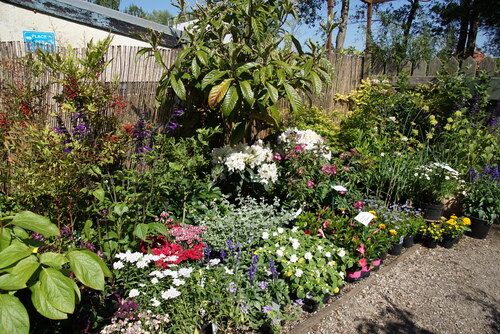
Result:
99,17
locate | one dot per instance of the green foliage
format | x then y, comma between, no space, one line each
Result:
482,194
53,293
241,222
236,83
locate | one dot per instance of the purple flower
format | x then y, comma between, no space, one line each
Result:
263,285
90,246
299,302
253,268
272,268
207,251
244,308
222,255
230,244
37,236
233,287
267,308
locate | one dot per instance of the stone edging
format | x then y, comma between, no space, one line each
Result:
317,317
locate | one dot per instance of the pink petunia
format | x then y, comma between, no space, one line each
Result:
361,249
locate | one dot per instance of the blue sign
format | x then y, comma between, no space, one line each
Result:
39,40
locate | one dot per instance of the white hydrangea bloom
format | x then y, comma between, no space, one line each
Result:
268,172
236,161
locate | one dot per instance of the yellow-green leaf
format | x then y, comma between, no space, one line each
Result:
218,92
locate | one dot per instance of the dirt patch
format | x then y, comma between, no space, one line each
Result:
426,291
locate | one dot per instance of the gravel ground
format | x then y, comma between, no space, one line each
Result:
424,291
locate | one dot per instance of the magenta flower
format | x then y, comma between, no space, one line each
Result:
361,249
310,184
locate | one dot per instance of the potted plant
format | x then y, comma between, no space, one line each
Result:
482,200
433,183
454,229
410,229
431,233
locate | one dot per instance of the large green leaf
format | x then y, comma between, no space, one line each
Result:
11,282
218,92
316,82
13,253
86,269
178,87
245,67
25,268
4,237
195,68
212,77
14,318
273,92
52,259
246,90
294,98
42,304
58,289
239,133
36,223
159,228
99,194
141,231
230,101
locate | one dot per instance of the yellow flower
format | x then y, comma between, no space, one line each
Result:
429,135
458,113
415,132
447,127
393,232
466,221
373,213
336,290
425,108
375,218
34,250
449,120
382,226
453,217
301,260
288,273
342,209
433,120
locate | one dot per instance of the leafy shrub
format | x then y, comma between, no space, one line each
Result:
242,222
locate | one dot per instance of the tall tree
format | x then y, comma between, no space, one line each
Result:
135,11
344,17
159,16
113,4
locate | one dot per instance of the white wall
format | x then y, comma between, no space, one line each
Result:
15,20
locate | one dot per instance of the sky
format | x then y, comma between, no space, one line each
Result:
355,31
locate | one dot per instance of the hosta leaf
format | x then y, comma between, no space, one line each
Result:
36,223
294,98
42,305
58,290
218,92
230,101
14,318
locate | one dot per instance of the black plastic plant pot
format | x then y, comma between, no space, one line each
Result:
432,211
396,249
409,241
479,228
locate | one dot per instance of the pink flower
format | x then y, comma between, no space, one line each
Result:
301,170
361,249
321,233
299,148
358,205
326,224
329,169
310,184
362,262
277,156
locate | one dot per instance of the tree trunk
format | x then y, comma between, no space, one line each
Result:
411,18
330,5
464,27
344,17
471,37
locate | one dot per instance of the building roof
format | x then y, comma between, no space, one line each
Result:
100,17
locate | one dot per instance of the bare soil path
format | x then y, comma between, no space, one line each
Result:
424,291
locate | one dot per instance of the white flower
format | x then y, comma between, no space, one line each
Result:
298,272
280,230
275,234
328,254
341,274
156,273
142,285
171,258
236,161
141,264
170,293
178,282
341,252
392,118
382,154
228,271
295,228
118,265
171,273
268,172
154,280
295,245
308,256
294,258
320,248
265,235
214,262
279,253
185,272
155,302
134,293
404,138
